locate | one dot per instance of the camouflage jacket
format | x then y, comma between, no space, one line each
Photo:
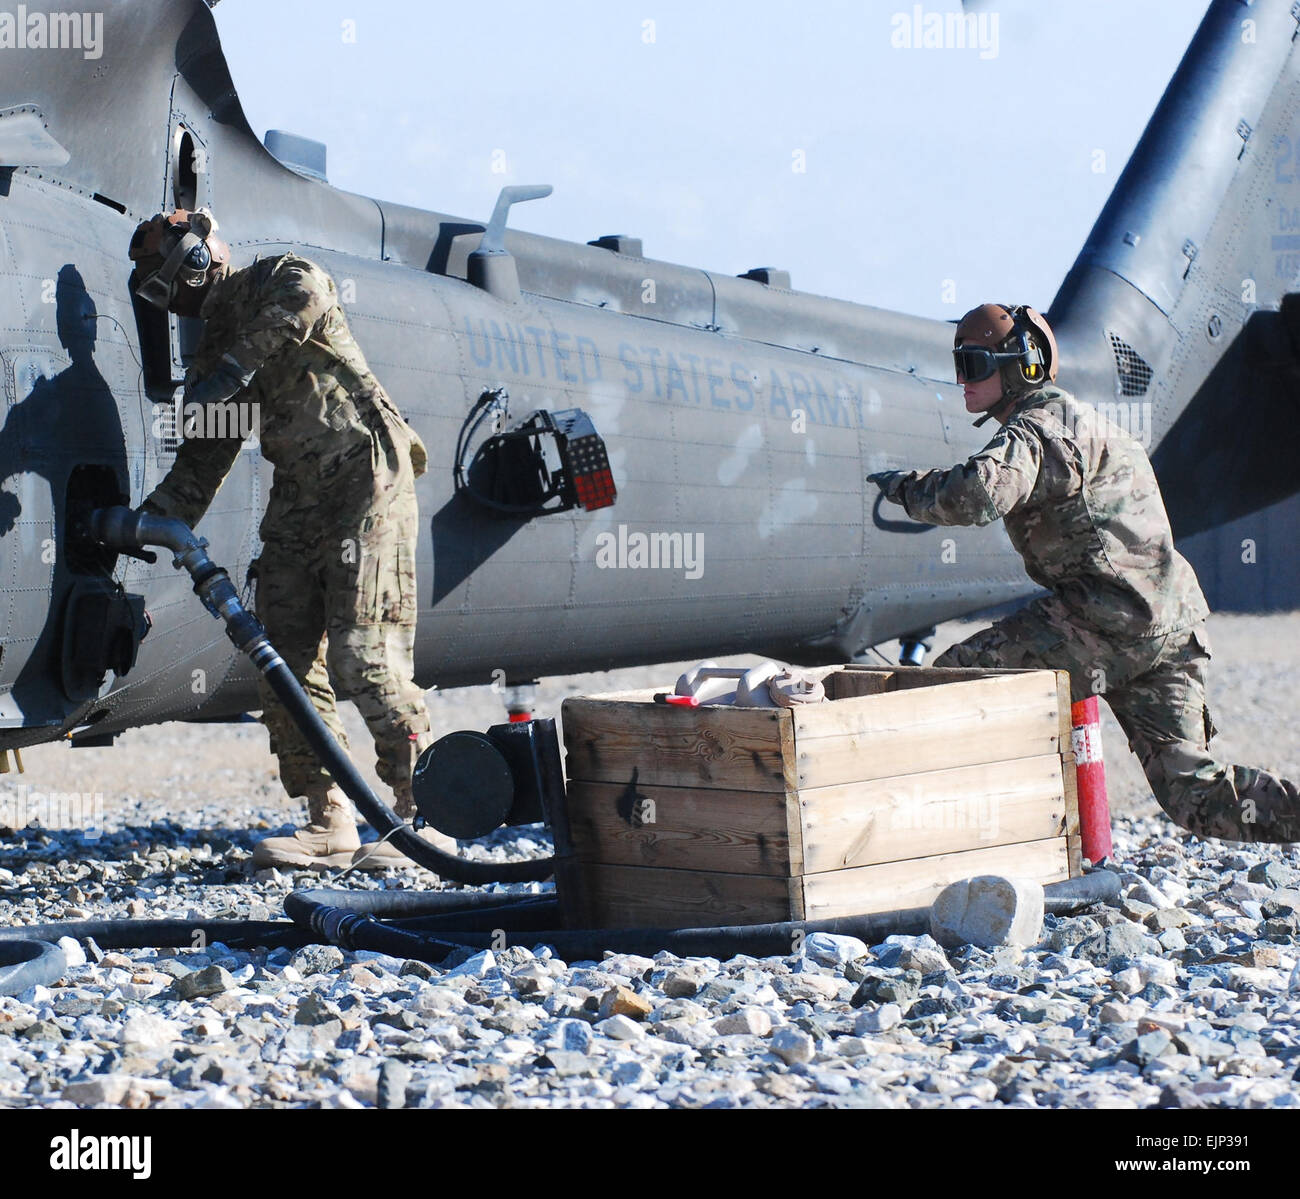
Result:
1082,507
275,339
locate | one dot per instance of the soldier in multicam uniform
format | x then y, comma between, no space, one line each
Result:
1124,614
336,576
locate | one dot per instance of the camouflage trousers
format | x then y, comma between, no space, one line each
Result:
336,594
1156,688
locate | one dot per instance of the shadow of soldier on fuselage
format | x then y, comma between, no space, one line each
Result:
67,425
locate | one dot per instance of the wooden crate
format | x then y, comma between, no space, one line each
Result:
904,781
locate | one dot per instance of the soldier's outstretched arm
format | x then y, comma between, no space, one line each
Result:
976,492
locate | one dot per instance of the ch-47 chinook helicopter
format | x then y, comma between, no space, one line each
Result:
1180,303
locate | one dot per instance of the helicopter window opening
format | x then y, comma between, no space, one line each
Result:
185,178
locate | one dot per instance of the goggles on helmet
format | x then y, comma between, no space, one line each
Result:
977,363
188,263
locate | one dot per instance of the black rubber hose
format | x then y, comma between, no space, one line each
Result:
26,964
332,915
251,934
405,905
378,814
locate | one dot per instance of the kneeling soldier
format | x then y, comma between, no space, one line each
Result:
1125,614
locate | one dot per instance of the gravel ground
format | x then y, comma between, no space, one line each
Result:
1186,994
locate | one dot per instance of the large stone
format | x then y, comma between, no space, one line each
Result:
575,1036
73,954
212,980
988,911
394,1078
921,954
833,949
620,1028
900,989
622,1001
878,1019
1121,940
1169,918
1274,874
792,1045
747,1022
681,984
317,959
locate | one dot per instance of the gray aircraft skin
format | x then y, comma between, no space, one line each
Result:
695,380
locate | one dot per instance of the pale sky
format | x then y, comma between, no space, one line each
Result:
682,122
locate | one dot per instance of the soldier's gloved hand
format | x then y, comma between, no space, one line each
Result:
890,483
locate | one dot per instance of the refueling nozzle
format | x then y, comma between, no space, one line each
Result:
122,528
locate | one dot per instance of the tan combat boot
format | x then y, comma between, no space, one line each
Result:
383,855
328,842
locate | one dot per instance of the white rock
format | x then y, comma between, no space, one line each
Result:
1128,982
1157,970
749,1022
475,967
1145,892
833,949
792,1045
620,1028
73,954
344,1099
147,1031
988,911
879,1019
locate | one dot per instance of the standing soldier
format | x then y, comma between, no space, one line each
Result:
336,577
1125,614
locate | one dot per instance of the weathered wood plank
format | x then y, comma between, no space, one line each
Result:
850,684
793,821
934,812
739,832
928,728
652,897
635,742
915,882
1070,779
